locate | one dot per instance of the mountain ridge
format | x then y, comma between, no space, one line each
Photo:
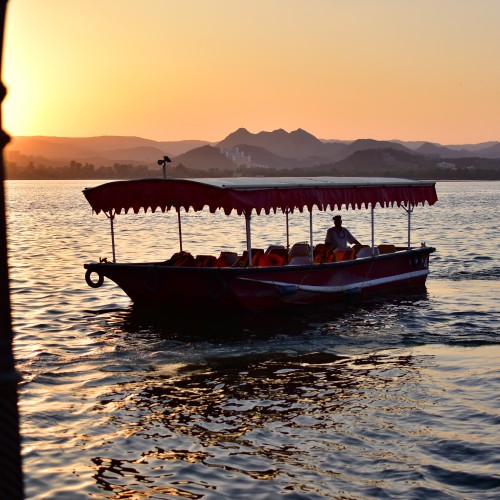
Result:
272,149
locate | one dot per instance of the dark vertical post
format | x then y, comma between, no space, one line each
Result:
410,210
373,229
112,218
11,481
287,211
311,242
180,228
248,219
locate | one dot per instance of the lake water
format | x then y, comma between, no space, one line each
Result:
395,397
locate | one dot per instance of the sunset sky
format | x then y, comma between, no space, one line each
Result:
200,69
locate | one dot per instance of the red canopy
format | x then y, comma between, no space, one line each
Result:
267,194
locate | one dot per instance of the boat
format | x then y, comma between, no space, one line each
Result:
256,279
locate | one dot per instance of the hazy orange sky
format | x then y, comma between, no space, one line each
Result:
200,69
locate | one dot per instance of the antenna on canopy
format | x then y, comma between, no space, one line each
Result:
163,163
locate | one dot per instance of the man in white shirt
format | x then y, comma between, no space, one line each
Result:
338,236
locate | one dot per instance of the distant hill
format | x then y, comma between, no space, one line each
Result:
483,150
409,144
397,163
263,157
175,148
473,147
492,151
138,154
298,144
430,149
101,150
382,161
205,158
363,144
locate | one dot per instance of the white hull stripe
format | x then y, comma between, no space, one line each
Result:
352,287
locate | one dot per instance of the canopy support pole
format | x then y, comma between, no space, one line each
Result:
248,218
111,218
287,211
311,242
409,210
180,228
373,231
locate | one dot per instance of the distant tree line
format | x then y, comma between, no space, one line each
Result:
417,172
76,170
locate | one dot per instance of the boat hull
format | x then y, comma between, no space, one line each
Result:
261,288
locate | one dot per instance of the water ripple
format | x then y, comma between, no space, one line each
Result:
383,398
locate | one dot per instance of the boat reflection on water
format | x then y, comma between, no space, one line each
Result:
230,404
349,316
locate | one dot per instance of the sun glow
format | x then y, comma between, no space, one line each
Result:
174,70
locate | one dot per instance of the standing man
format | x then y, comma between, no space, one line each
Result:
338,236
